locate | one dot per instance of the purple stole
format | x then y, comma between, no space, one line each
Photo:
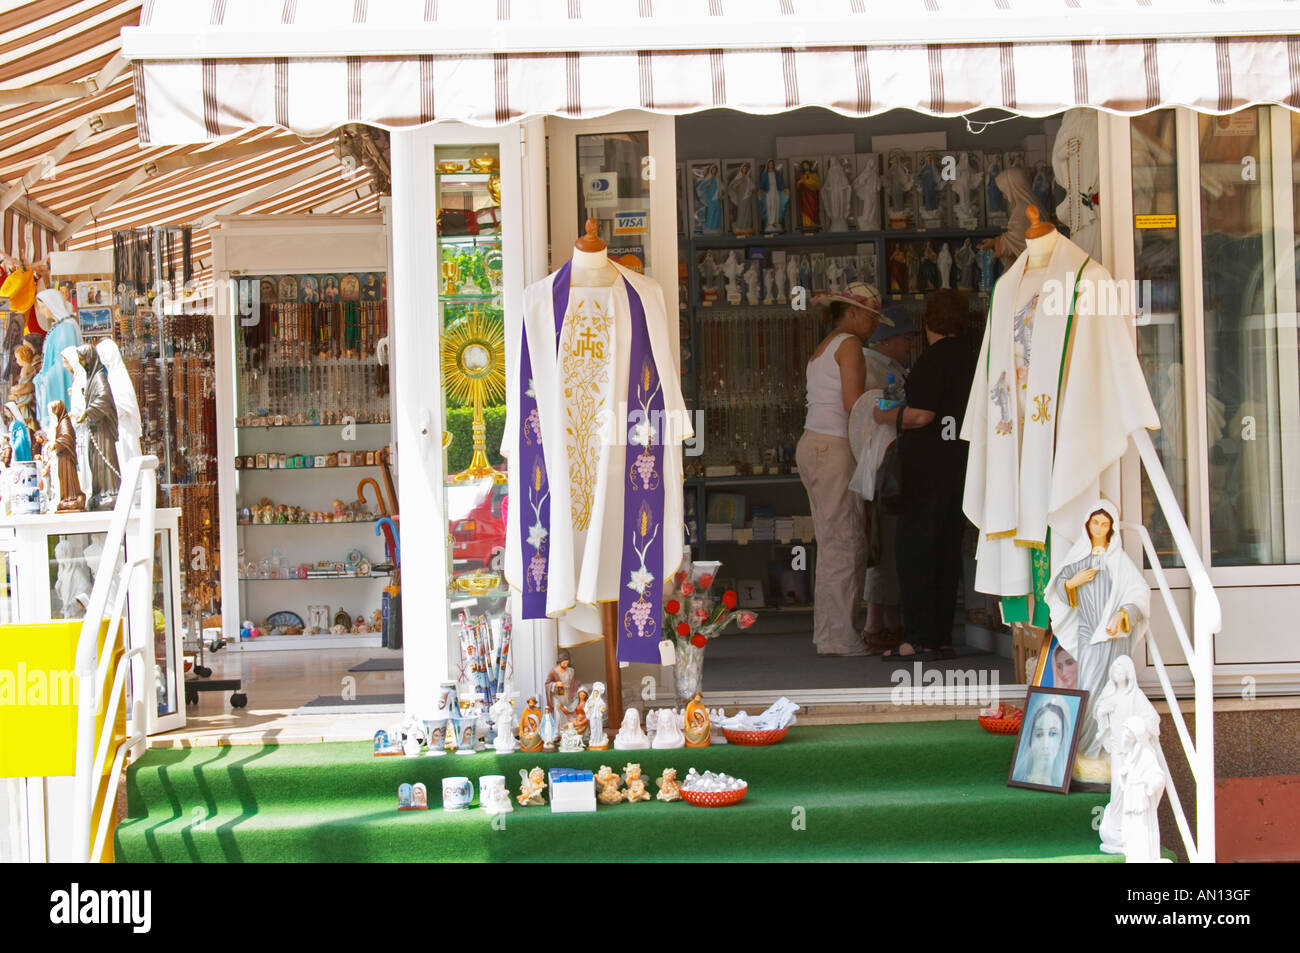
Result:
639,609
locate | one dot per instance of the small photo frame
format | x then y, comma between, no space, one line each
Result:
318,617
345,458
1048,740
1056,668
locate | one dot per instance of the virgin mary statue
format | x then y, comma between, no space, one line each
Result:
1100,604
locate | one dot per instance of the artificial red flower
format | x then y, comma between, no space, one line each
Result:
746,619
700,614
729,599
706,580
699,641
683,629
680,577
672,607
687,589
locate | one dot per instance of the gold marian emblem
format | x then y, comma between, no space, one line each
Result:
1042,414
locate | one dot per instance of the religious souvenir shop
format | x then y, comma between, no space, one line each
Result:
728,172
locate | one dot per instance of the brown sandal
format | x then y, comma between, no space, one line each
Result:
881,640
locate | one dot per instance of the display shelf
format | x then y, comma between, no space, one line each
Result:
334,523
355,423
373,575
744,479
269,643
453,299
297,470
840,238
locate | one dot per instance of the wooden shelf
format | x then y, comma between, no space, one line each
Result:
840,238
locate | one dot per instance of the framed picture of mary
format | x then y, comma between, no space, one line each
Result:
1048,739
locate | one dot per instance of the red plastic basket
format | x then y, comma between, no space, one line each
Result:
737,737
714,798
1007,725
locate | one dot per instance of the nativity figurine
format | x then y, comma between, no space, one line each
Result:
530,727
697,723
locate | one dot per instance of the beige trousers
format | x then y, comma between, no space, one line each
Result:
825,466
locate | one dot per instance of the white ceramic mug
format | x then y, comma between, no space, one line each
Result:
456,793
489,783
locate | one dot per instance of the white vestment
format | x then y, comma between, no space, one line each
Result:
1022,483
582,392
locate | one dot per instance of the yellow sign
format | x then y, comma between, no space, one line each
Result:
1155,221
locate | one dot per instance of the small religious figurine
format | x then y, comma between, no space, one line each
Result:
669,730
964,258
751,283
808,188
20,438
945,265
630,735
669,789
1099,604
866,186
708,209
929,268
610,792
501,718
731,270
898,271
769,286
100,417
570,739
530,727
708,277
635,784
561,686
740,191
697,723
779,276
834,276
1143,781
913,259
596,709
775,198
549,731
898,186
1119,701
966,189
987,268
791,274
928,187
493,798
23,392
533,783
837,194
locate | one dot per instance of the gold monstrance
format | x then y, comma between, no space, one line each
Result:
473,369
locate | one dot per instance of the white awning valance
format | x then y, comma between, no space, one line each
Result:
204,70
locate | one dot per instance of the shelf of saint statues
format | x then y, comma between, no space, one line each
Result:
844,238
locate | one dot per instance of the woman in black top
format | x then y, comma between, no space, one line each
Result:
933,458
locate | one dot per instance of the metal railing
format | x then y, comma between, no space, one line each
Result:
101,675
1207,620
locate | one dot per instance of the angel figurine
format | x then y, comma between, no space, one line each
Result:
636,790
608,782
1099,602
531,788
669,789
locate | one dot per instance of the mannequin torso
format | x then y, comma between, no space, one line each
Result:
592,269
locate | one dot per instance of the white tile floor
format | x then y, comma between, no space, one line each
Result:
277,685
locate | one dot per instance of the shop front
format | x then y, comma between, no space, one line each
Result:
1180,168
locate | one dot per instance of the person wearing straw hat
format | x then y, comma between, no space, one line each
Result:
836,379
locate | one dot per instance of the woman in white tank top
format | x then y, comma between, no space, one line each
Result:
836,379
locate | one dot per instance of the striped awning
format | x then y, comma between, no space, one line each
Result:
72,170
204,69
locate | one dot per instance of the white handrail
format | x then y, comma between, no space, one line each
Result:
94,666
1207,620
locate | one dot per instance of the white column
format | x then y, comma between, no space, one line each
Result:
417,419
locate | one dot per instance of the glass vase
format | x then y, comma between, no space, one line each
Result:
689,672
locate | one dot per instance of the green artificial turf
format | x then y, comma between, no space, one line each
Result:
928,791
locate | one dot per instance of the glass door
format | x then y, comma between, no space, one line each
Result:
621,170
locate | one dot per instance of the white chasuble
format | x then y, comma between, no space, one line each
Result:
581,391
1082,394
